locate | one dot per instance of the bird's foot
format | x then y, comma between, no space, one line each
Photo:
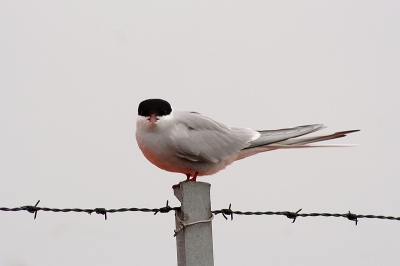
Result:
193,178
188,179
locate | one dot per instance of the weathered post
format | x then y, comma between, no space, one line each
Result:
193,222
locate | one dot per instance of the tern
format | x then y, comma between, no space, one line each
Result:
196,145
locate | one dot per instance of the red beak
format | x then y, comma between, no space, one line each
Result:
153,118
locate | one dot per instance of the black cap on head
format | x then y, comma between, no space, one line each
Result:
154,106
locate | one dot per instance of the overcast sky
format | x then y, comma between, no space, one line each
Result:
73,73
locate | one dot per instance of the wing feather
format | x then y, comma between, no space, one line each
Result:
274,136
200,139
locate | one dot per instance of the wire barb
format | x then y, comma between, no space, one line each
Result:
100,211
352,217
293,215
226,212
165,209
32,209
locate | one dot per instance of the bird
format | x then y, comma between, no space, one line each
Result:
195,145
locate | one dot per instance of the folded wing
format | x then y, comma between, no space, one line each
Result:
279,135
200,139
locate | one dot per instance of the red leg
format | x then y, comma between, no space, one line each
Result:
193,178
187,179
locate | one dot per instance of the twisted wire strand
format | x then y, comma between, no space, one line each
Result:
34,209
225,212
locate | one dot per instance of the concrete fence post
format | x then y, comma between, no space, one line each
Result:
193,222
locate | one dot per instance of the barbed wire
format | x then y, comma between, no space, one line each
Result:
293,215
225,212
34,209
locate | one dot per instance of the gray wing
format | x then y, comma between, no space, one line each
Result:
274,136
309,140
289,136
200,139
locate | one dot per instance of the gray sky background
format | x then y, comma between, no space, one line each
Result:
73,74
